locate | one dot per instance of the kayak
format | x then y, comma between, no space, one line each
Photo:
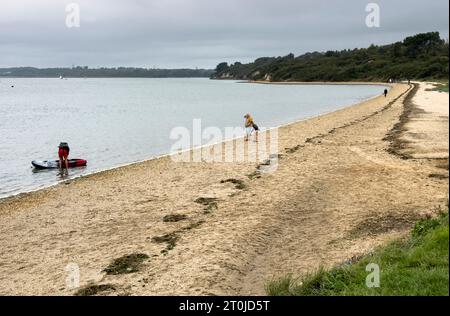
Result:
54,164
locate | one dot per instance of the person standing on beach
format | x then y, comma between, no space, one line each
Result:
250,126
385,92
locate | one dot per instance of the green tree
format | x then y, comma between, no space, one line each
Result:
222,67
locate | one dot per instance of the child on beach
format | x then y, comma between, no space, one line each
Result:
385,92
250,126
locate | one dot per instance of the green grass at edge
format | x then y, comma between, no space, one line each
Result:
441,87
414,266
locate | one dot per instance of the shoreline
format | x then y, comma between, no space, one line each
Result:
166,155
330,83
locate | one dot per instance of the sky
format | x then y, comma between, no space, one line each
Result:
199,33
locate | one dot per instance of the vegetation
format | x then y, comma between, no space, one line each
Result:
424,56
126,264
121,72
416,266
93,289
441,87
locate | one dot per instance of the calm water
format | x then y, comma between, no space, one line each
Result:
116,121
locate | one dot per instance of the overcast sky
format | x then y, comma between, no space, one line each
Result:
200,33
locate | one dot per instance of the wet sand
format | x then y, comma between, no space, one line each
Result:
338,192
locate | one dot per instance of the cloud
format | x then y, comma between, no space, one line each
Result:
200,33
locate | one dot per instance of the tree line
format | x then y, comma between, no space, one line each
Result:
419,57
121,72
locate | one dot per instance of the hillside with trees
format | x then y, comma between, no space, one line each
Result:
120,72
419,57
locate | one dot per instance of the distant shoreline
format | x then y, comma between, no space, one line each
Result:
330,83
106,77
113,72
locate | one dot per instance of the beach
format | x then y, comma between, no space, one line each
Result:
426,134
343,186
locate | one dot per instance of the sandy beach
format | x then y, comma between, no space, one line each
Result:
346,182
426,132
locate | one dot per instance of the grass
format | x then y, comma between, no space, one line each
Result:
441,87
415,266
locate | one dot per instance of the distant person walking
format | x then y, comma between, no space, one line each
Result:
63,154
250,126
385,92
